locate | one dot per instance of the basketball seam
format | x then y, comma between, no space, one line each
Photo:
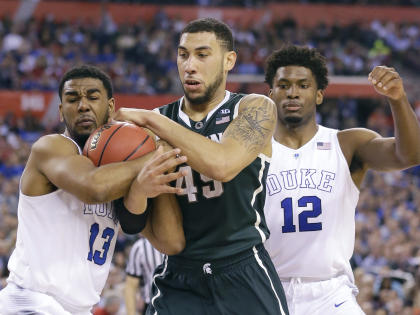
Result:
106,143
136,149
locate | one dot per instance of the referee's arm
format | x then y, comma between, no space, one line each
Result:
130,291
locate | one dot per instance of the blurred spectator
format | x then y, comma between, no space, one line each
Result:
34,54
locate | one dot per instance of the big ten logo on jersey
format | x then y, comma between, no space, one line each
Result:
321,180
101,210
210,188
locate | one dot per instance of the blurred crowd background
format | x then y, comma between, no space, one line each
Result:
141,59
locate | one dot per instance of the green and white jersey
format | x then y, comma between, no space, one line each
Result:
220,219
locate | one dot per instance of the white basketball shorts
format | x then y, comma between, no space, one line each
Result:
336,296
16,300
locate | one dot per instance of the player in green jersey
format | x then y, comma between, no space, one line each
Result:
226,137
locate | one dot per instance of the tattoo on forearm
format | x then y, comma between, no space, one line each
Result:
253,125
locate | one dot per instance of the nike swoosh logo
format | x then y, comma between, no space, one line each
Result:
337,305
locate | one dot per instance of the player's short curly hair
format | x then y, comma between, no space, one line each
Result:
292,55
221,30
86,71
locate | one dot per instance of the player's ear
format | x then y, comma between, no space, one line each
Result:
60,110
319,97
230,60
111,105
270,93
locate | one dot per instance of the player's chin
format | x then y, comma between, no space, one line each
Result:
293,119
84,129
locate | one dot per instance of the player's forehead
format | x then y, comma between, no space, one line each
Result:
199,40
293,73
83,85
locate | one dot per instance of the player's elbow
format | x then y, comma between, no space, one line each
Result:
412,161
409,160
222,172
175,247
172,246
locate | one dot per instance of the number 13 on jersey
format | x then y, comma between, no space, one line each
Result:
210,188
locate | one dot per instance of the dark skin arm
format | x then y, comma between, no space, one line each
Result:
248,135
54,163
371,151
164,228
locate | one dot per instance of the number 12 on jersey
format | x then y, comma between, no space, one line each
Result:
304,225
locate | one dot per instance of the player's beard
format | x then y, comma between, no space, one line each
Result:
81,138
296,121
208,94
293,120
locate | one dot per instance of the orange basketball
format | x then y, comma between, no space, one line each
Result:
117,142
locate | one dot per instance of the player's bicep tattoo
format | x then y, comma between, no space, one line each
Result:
254,125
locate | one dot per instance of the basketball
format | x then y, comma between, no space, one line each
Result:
117,142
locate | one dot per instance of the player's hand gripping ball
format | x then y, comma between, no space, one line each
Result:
116,142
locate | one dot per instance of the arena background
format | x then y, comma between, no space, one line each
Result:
135,42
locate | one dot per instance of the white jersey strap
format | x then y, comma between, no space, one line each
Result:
78,148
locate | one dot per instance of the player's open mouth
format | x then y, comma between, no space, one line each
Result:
192,84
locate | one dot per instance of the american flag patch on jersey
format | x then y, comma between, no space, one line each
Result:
323,145
222,120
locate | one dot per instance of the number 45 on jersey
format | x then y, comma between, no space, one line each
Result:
212,190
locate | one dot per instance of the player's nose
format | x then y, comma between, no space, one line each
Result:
190,65
83,105
292,91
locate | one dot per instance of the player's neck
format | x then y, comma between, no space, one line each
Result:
197,112
295,137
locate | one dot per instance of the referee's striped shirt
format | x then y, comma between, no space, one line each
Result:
142,262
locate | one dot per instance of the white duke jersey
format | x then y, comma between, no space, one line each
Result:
64,248
310,208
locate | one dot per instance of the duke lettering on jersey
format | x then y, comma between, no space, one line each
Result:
102,210
322,180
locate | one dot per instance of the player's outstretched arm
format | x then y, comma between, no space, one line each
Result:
54,162
247,135
394,153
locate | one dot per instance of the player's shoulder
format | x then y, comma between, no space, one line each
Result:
356,135
353,138
169,109
257,101
53,143
254,97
